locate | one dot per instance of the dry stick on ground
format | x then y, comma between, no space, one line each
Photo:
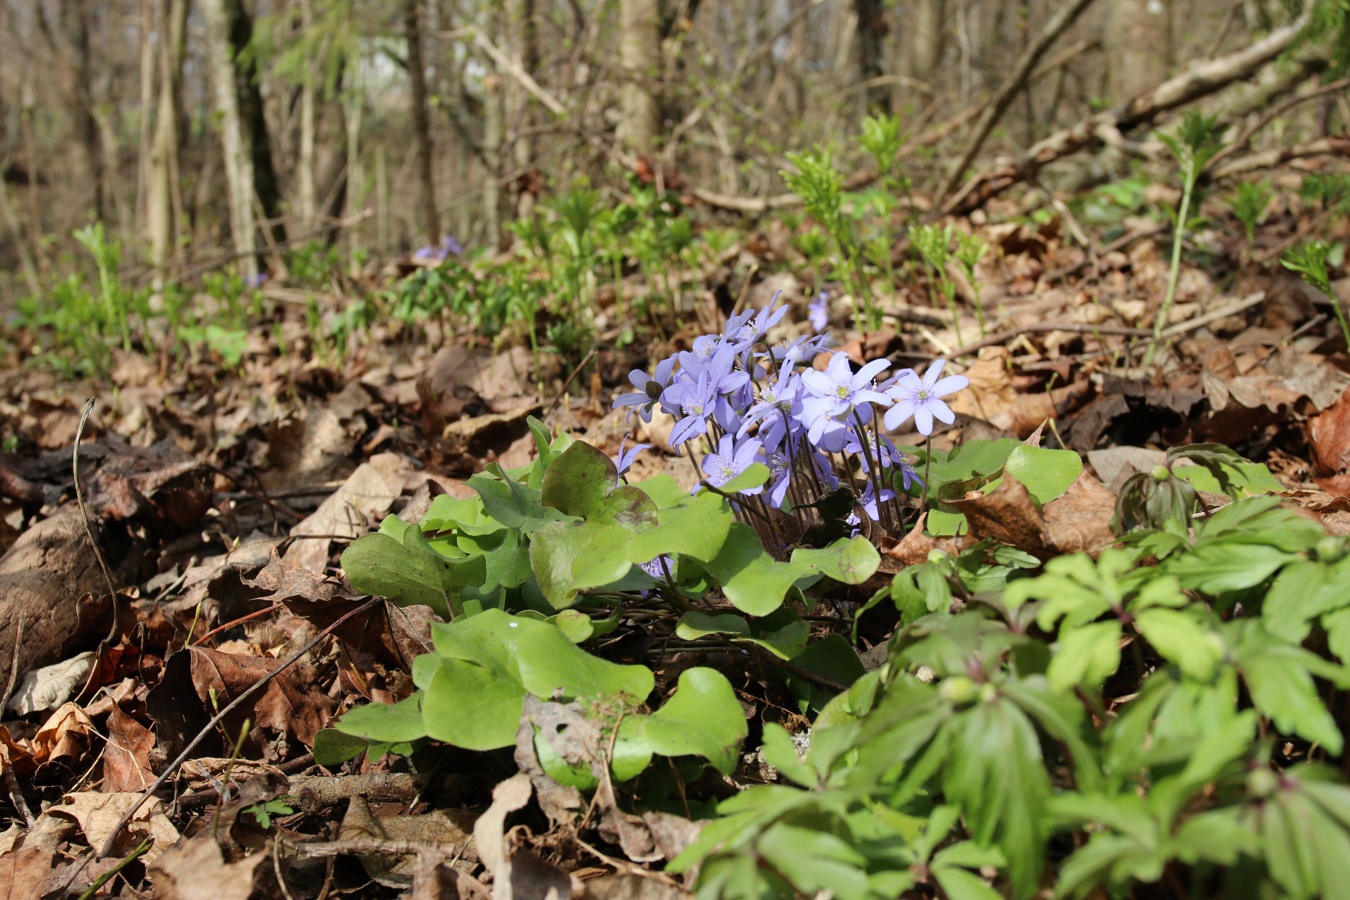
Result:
210,726
1008,92
1201,80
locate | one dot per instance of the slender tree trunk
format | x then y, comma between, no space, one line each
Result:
306,200
872,29
927,35
238,162
417,79
75,16
640,59
161,226
525,37
252,117
1137,39
492,155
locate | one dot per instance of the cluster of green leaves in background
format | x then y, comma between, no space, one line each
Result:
546,558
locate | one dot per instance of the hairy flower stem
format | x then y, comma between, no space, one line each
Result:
874,475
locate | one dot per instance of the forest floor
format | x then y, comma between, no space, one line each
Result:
222,496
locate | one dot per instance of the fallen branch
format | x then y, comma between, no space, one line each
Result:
1201,80
1017,80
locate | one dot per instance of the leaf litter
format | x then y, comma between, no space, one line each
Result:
223,500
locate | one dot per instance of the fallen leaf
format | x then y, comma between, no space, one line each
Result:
197,869
126,761
22,872
1080,519
97,813
363,500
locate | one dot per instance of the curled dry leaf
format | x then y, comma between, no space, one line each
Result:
97,813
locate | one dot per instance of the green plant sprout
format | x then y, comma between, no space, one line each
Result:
1309,260
1248,204
934,244
107,254
821,186
970,250
263,812
1196,141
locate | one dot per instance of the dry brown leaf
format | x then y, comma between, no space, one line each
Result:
1008,514
288,705
197,869
1329,439
1080,519
126,761
22,872
630,886
915,546
65,734
991,396
97,813
363,500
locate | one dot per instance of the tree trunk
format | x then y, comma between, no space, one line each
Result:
252,117
75,15
163,165
926,37
417,78
525,36
640,60
872,29
1138,41
305,200
238,162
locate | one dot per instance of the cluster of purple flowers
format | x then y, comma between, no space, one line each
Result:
449,246
750,401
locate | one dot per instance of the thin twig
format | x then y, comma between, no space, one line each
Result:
210,726
14,664
79,500
568,383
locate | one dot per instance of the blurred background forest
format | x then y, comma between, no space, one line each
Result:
204,132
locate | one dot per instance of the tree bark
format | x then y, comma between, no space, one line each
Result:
1137,39
252,117
417,79
74,18
238,162
163,165
872,29
640,60
305,199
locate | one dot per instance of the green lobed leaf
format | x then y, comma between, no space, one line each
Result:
488,663
698,528
393,723
1281,684
379,564
568,557
1086,656
1181,640
1046,474
848,560
702,718
583,482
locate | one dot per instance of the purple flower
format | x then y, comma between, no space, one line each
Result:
624,461
879,448
649,389
731,459
802,350
657,568
832,395
753,331
818,312
780,476
778,401
908,476
922,398
450,245
693,403
869,500
255,281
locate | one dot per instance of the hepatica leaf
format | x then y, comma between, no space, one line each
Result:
489,662
568,557
702,718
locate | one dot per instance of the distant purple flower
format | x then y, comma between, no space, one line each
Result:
818,312
879,448
451,245
649,389
922,398
255,281
802,350
624,461
731,459
832,396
